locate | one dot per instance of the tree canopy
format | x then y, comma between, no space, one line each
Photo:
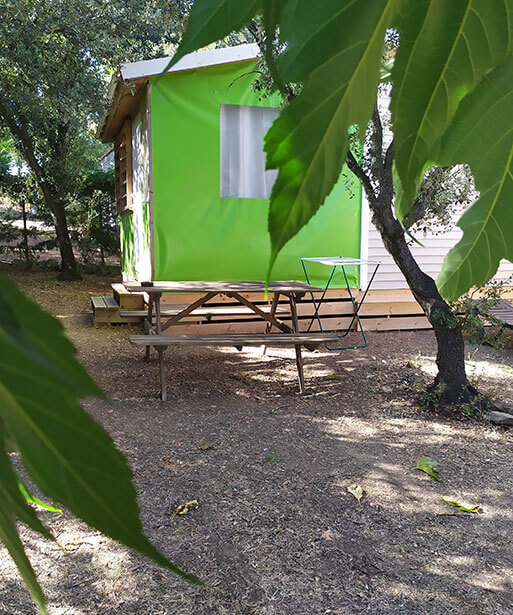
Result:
55,61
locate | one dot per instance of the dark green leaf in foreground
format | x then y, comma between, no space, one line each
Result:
68,454
481,135
12,498
446,49
212,20
309,140
10,538
14,506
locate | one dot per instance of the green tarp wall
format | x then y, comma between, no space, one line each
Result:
197,234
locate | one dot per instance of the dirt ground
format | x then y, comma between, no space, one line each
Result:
276,532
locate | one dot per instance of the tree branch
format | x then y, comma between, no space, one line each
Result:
262,39
19,131
364,179
376,145
389,159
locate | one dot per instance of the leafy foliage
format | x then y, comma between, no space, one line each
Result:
212,20
483,118
93,216
474,314
309,141
68,454
445,51
452,57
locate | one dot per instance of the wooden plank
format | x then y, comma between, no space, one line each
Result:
224,286
378,295
98,303
306,308
328,324
111,303
385,295
389,309
504,311
242,339
216,311
395,324
126,299
253,326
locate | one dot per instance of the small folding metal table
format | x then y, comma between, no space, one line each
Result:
342,262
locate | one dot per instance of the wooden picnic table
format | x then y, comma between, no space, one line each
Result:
292,289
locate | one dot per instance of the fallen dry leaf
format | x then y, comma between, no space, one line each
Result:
183,509
356,491
462,507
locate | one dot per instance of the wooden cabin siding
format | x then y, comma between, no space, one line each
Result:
430,258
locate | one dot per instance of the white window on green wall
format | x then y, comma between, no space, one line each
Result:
243,173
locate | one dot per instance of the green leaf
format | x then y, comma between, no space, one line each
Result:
12,498
481,135
309,140
32,345
462,507
212,20
429,467
9,536
446,49
36,501
65,451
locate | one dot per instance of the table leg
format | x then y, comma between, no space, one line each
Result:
269,325
160,349
299,357
163,392
149,318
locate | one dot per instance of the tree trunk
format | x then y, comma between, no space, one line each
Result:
25,243
69,269
451,385
18,129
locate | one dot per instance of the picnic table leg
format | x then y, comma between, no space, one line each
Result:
163,392
160,349
299,357
269,325
150,318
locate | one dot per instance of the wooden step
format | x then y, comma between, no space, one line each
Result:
106,311
126,300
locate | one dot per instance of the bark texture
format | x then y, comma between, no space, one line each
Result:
451,385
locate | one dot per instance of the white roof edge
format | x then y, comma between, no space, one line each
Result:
197,59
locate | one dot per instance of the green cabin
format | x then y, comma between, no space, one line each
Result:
192,191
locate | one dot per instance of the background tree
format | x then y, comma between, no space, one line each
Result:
94,216
55,59
451,104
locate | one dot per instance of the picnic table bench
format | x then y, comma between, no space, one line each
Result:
288,335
